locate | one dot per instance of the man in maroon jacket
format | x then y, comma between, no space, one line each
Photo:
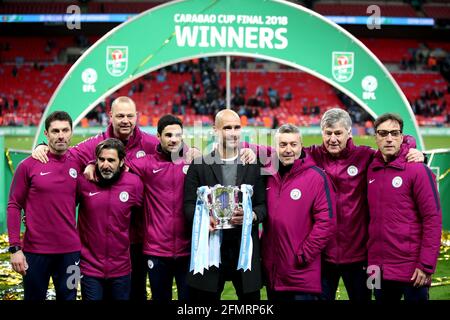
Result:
104,224
405,217
167,237
123,126
346,164
300,221
46,194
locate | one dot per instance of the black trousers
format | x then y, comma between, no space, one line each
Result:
355,280
138,290
395,290
60,267
227,272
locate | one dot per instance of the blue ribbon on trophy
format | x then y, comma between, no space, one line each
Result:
215,240
200,232
246,249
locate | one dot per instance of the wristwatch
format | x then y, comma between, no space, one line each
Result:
14,249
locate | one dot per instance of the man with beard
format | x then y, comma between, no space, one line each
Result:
46,194
104,222
123,119
166,238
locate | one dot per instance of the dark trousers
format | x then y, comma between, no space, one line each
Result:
62,268
162,271
202,296
138,273
395,290
355,280
288,296
229,252
93,288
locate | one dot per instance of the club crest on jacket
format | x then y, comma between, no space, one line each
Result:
124,196
295,194
397,182
352,171
140,154
73,173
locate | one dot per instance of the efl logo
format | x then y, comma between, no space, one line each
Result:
369,85
89,78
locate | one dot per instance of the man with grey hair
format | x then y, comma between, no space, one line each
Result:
294,238
346,164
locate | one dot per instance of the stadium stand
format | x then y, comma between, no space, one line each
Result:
61,7
308,96
437,10
388,9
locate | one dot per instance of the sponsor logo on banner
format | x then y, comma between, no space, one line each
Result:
343,65
369,85
116,60
89,78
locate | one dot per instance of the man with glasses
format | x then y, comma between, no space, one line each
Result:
405,217
346,164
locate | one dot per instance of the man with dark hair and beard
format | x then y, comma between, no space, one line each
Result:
104,223
167,240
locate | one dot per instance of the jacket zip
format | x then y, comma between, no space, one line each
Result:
172,172
338,220
107,235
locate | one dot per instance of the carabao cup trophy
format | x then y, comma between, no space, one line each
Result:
222,202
